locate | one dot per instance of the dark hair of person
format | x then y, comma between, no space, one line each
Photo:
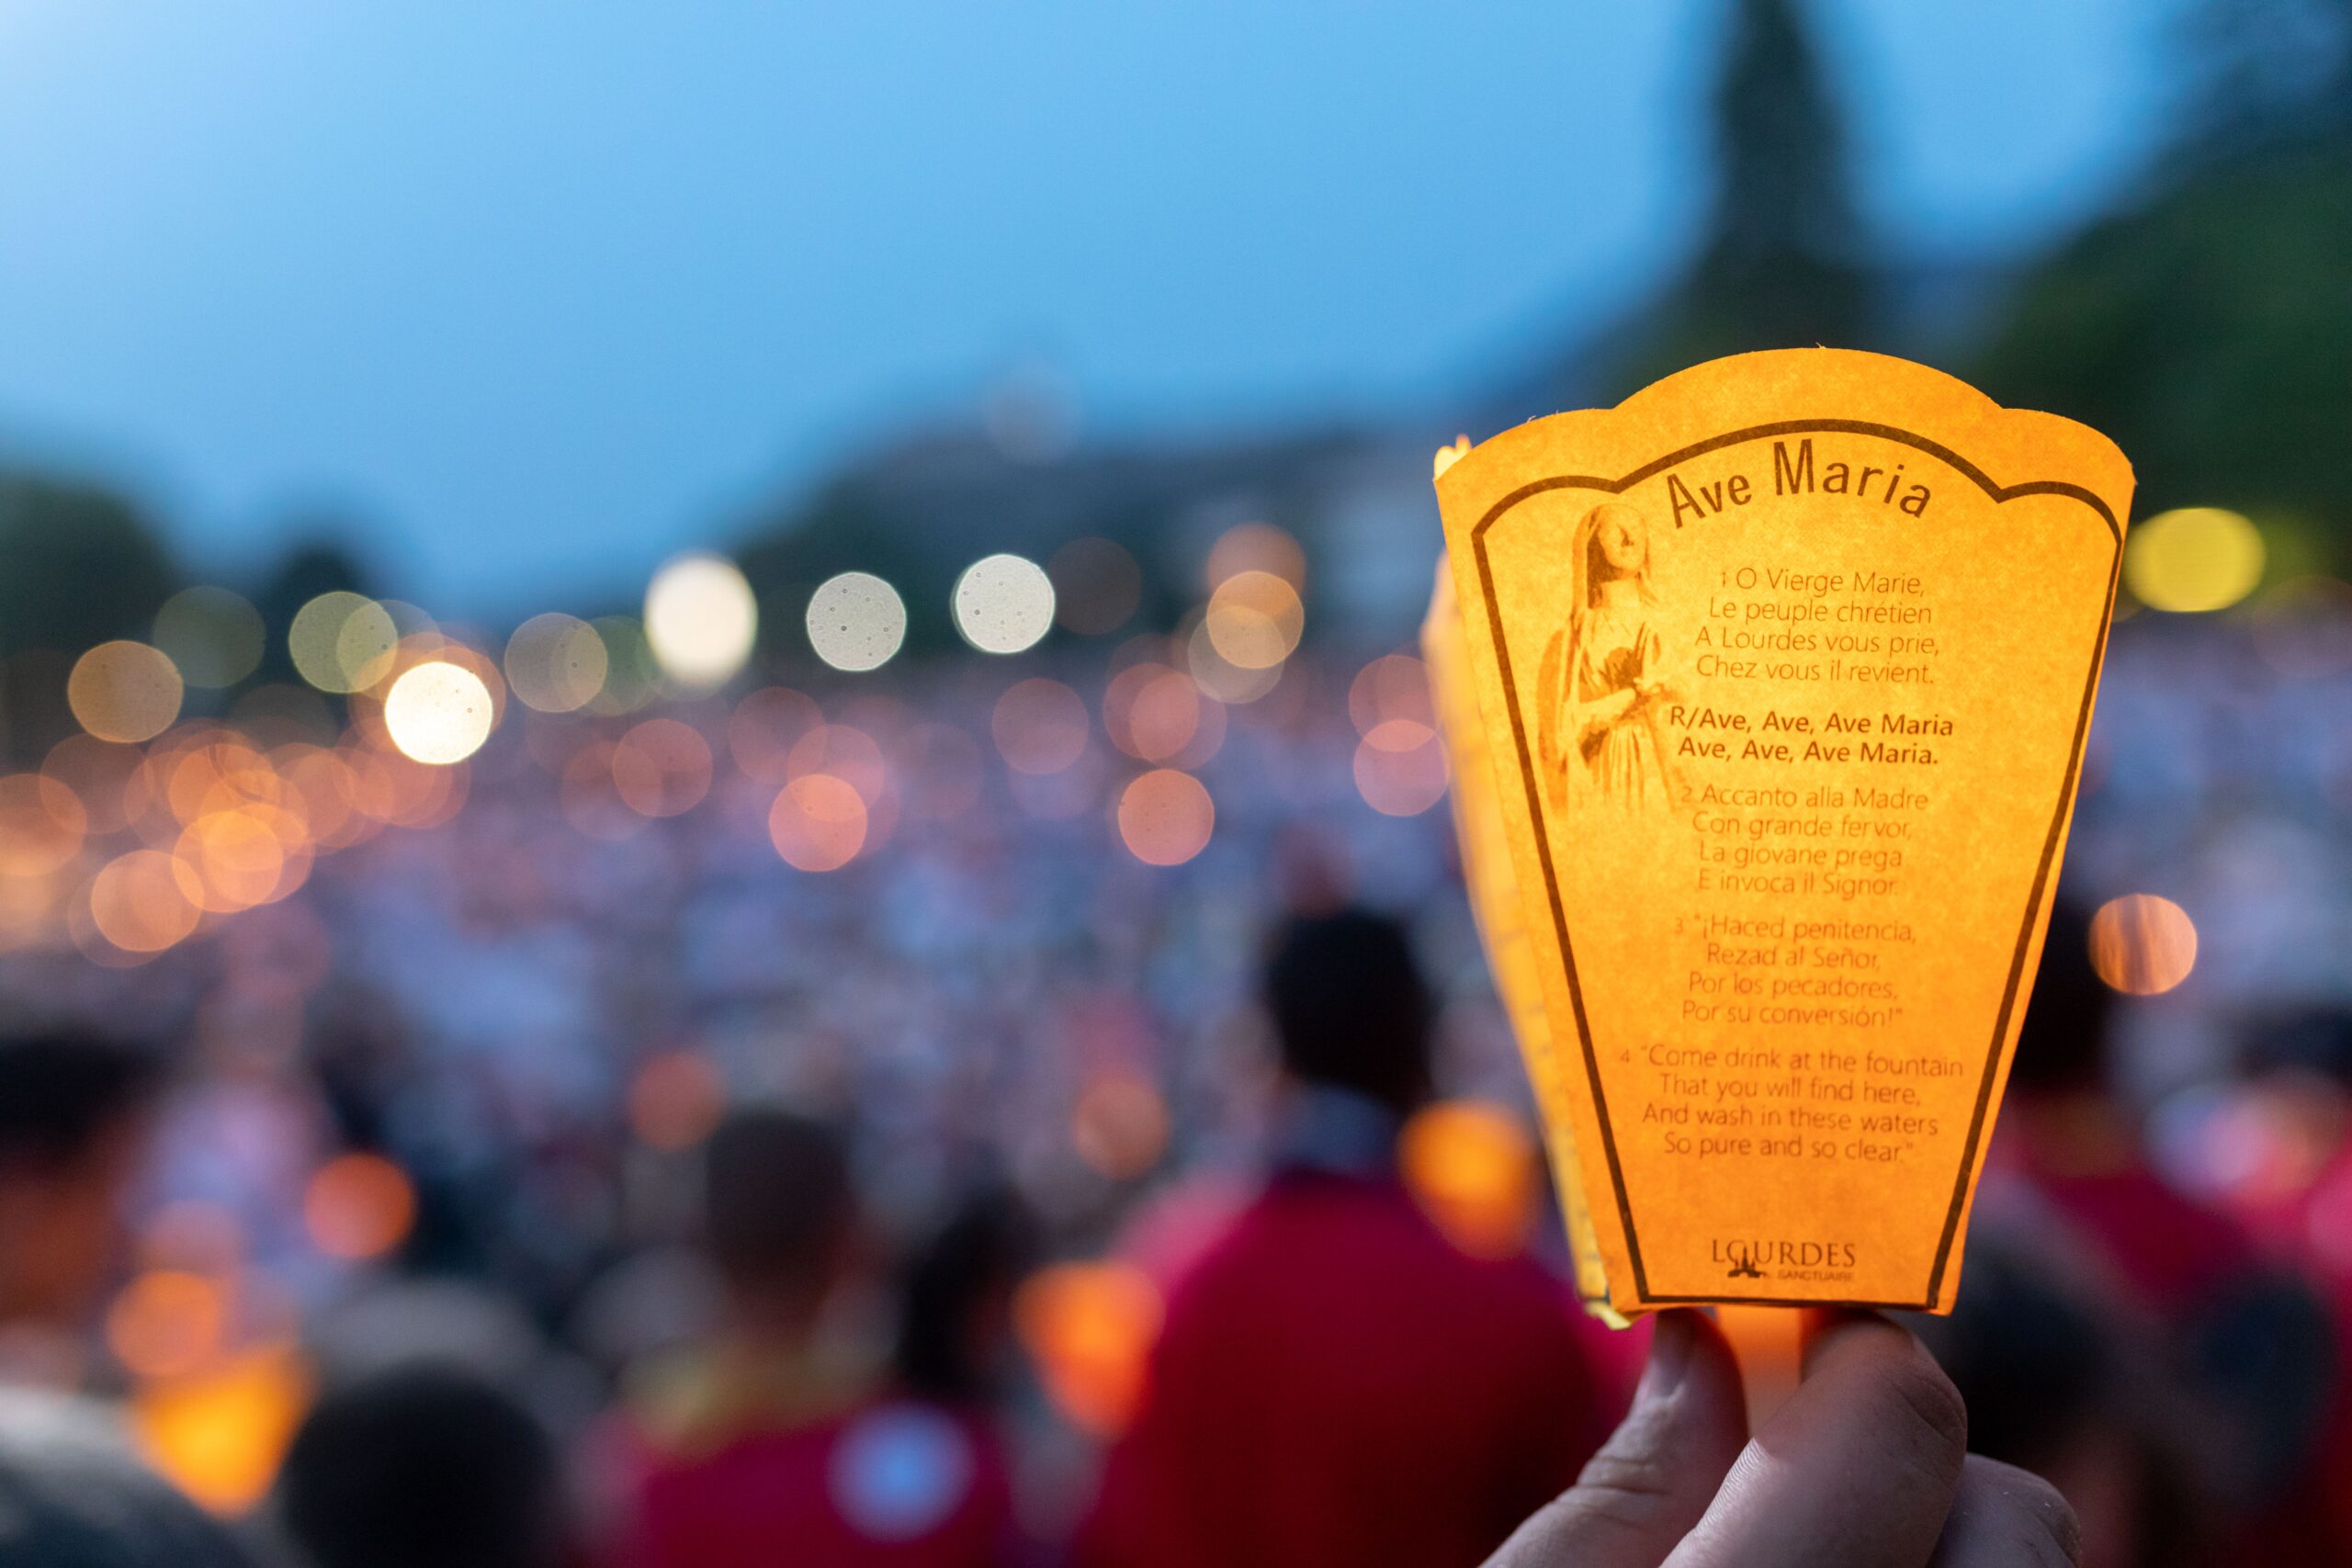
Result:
777,1195
423,1464
60,1092
1349,1007
2064,1040
958,1298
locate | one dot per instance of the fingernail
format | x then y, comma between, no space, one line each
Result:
1670,1341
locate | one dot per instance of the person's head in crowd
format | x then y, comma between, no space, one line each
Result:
72,1495
1350,1008
2063,1044
779,1215
2052,1388
423,1466
71,1132
955,1319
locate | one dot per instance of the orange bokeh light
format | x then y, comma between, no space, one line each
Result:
168,1323
41,825
99,773
143,901
847,752
1039,726
1090,1328
675,1099
1256,547
662,767
1120,1126
1472,1168
818,822
359,1206
1165,817
221,1435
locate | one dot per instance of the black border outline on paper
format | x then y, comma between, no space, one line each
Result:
2034,898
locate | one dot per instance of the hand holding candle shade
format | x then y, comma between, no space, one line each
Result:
1767,691
1864,1466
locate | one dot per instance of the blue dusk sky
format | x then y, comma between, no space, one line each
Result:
540,291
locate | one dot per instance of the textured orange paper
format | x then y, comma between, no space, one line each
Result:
1502,925
1784,666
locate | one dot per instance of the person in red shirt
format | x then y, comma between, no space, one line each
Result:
782,1440
1335,1382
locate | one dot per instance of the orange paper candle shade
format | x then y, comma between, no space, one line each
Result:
1494,901
1782,669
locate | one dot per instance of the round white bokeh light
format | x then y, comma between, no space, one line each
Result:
701,620
856,621
438,712
1004,603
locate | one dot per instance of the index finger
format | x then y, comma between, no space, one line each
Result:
1856,1470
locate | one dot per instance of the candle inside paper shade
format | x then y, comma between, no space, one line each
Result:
1765,694
1770,1343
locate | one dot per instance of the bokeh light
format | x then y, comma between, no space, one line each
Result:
144,901
856,622
213,635
167,1323
359,1206
1040,726
1003,604
1119,1125
701,619
125,692
1258,548
766,727
632,675
342,642
1165,716
98,773
846,752
1219,676
221,1435
2195,558
438,712
1393,688
1254,620
675,1099
1089,1327
2142,944
817,823
556,663
42,825
1401,768
1165,818
1472,1168
1098,587
662,767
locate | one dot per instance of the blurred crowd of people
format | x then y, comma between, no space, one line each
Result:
524,1193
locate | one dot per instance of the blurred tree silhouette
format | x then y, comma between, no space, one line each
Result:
79,564
1786,262
2208,327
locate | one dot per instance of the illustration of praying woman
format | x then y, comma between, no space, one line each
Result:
1605,676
